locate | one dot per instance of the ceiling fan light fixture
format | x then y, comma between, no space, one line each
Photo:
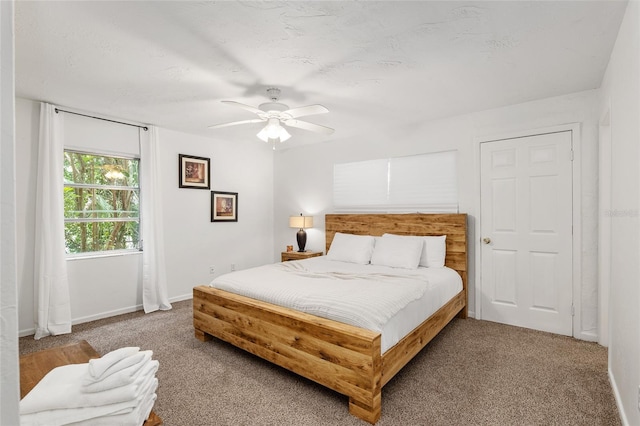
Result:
275,114
273,130
284,135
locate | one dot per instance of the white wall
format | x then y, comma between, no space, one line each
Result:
620,95
9,372
106,286
304,174
193,242
27,118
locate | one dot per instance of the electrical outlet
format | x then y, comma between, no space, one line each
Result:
212,270
233,266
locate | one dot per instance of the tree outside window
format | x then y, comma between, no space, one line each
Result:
101,203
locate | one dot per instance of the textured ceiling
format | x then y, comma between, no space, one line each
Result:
373,64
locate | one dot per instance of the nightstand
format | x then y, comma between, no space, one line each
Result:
298,255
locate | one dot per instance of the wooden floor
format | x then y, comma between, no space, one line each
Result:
34,366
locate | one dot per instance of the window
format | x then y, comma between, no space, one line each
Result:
417,183
101,203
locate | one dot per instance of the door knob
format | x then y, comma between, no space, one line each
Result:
486,240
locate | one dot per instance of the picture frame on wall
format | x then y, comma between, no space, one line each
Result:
224,206
194,172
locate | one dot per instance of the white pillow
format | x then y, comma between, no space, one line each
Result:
397,252
351,248
434,250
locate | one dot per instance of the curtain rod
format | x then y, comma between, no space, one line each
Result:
145,128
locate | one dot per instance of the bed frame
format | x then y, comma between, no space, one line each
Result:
339,356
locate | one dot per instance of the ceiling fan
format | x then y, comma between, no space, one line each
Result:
276,114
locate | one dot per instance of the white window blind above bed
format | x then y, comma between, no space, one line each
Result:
417,183
362,184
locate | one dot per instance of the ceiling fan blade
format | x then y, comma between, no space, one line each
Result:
305,125
233,123
305,110
245,106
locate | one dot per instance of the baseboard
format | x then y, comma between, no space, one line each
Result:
181,298
616,396
27,332
588,335
90,318
108,314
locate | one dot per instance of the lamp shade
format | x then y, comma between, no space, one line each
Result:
301,222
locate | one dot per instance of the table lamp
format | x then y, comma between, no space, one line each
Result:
301,222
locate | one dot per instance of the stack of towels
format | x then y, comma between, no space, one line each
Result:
118,389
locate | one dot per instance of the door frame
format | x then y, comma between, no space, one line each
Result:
576,189
605,168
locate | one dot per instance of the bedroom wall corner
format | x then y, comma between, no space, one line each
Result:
27,119
621,97
111,285
9,371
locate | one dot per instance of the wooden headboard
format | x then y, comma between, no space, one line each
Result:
454,226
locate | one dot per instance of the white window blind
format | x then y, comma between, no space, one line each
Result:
417,183
363,183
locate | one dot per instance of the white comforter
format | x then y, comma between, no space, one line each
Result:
366,296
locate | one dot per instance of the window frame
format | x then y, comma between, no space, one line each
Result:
114,252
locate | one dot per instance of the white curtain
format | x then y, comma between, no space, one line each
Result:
53,308
154,281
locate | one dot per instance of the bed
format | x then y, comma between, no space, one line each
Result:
342,357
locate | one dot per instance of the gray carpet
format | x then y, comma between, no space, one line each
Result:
473,373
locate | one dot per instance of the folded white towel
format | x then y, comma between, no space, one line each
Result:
135,418
70,415
97,367
123,378
62,388
131,365
120,365
89,414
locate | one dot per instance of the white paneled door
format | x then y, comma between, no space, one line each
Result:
526,232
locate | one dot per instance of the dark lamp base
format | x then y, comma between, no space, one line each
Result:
301,236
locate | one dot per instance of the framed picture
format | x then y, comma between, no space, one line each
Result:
194,172
224,206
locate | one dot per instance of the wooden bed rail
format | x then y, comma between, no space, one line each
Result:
336,355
